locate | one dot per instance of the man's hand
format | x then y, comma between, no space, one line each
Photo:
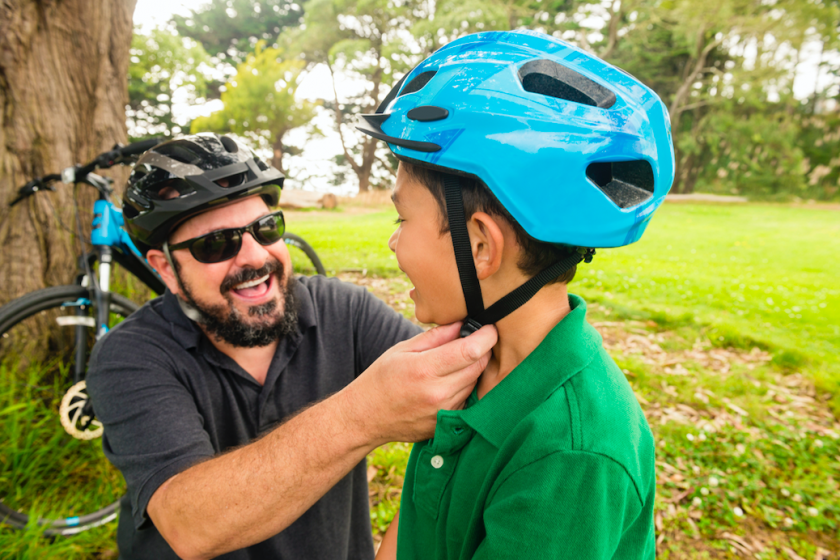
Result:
397,398
266,485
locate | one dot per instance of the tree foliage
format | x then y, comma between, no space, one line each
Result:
259,102
162,65
370,42
726,70
231,29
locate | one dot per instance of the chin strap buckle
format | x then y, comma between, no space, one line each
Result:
470,326
587,254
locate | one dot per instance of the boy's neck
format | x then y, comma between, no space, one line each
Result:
522,331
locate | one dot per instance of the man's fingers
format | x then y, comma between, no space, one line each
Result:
461,353
433,338
458,401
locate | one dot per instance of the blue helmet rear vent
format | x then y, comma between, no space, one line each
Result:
626,183
546,77
418,83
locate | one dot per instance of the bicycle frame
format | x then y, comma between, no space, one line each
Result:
112,243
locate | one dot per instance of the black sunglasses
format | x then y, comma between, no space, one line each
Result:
224,244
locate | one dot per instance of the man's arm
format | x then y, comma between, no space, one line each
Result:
253,493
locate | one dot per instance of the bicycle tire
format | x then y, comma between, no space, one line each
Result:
32,457
298,242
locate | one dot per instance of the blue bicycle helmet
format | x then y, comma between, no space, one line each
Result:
577,150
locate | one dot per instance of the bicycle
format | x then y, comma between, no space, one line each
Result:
45,340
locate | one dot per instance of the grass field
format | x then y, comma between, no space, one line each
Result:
758,275
726,321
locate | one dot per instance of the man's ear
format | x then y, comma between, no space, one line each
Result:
488,244
158,261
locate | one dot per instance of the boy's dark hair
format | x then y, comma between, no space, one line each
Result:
536,255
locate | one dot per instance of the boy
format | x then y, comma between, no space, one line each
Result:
519,154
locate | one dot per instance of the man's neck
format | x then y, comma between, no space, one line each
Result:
522,331
255,361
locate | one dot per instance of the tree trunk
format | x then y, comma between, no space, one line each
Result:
277,149
63,92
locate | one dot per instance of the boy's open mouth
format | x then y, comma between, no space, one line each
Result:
254,288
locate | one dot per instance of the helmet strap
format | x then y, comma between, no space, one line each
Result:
463,253
190,311
477,315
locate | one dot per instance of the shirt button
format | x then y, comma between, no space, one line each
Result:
437,461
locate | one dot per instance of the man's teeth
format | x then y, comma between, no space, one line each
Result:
252,283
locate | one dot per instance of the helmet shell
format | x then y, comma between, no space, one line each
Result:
182,178
568,170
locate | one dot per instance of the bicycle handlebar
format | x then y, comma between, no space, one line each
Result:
117,155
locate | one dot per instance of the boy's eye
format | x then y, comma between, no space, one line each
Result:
398,221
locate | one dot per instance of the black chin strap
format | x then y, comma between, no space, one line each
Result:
477,316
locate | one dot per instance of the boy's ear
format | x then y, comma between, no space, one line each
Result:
488,244
158,261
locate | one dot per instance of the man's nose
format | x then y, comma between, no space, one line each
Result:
252,254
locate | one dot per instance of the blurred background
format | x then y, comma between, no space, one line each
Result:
752,86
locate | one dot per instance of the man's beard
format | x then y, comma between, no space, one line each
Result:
225,322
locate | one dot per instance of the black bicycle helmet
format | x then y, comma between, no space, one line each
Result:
179,179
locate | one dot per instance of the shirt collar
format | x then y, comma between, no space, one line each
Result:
188,335
566,350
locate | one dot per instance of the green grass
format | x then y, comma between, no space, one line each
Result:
744,298
349,240
705,279
758,275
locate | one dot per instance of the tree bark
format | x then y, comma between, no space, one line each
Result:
277,148
63,92
679,101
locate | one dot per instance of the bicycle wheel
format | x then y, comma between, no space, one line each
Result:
304,257
67,483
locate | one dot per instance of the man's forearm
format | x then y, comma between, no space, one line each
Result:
253,493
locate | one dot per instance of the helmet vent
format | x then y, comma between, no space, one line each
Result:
626,183
178,152
418,83
231,181
170,189
229,144
548,78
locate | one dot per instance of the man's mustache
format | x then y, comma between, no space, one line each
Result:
271,266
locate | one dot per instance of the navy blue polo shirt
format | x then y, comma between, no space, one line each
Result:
169,399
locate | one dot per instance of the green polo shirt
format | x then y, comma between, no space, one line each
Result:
556,461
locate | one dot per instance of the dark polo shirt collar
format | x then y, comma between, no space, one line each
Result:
192,338
567,349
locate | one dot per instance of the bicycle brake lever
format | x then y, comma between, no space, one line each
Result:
31,188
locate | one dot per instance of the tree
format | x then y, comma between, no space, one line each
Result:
725,70
259,102
369,41
162,63
63,92
230,29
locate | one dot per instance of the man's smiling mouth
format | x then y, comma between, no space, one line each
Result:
252,283
256,288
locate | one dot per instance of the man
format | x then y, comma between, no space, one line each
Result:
192,387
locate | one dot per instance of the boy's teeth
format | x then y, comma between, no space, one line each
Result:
251,284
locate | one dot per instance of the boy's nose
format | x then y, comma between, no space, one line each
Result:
392,242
